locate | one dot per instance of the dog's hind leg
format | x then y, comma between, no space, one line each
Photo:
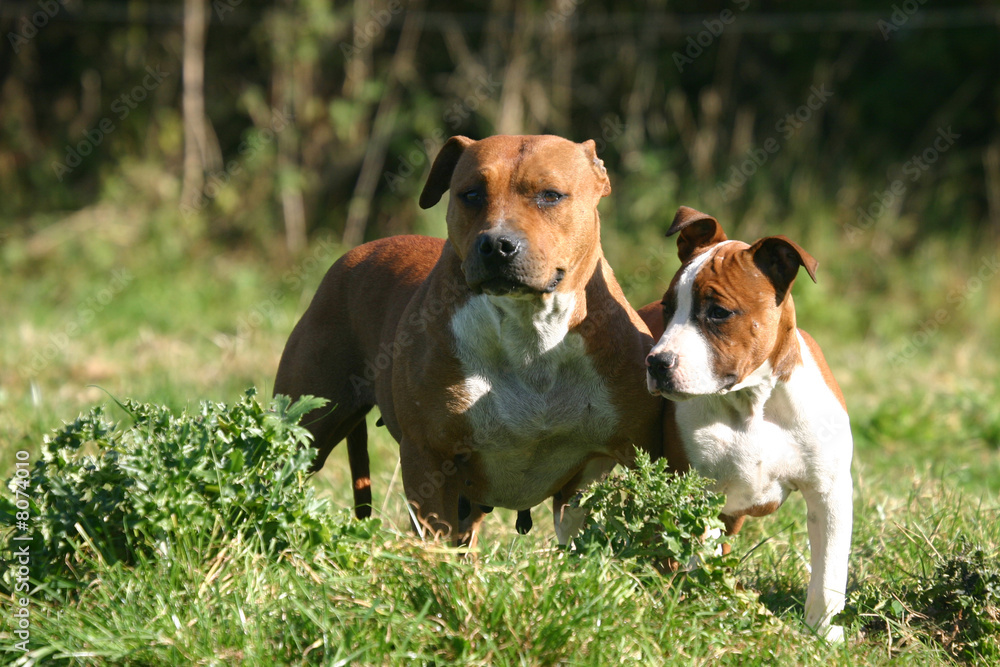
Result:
330,428
357,455
328,431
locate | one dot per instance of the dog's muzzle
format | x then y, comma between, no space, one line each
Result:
660,380
500,264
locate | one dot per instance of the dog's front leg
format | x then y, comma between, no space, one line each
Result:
567,517
431,486
829,519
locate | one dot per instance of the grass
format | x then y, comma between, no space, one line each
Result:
194,322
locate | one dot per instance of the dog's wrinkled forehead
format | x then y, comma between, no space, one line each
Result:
722,255
725,271
703,270
709,261
533,160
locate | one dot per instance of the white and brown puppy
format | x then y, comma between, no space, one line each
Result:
756,405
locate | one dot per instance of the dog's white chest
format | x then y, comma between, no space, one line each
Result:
799,438
536,404
755,462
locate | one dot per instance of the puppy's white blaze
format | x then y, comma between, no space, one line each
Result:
694,374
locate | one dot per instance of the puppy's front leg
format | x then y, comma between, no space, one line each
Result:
830,517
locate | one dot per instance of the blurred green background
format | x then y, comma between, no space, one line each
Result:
175,178
311,117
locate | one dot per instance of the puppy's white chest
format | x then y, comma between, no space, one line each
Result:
536,404
755,462
795,436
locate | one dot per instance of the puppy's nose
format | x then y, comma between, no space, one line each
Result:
498,248
661,364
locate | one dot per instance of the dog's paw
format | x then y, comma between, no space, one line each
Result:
524,522
832,633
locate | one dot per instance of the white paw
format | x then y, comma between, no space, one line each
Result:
832,633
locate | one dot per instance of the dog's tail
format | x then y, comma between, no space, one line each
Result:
357,454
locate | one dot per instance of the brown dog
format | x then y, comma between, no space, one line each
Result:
505,361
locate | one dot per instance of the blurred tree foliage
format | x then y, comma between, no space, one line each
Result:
735,105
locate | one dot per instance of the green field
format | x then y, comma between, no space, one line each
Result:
125,302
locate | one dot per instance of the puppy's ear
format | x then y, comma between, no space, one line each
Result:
590,149
698,230
779,258
439,179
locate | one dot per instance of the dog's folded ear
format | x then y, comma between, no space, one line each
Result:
779,258
698,230
590,148
439,180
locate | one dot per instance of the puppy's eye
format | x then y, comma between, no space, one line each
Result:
472,197
717,313
550,197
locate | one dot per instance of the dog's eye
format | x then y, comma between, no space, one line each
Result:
472,197
717,313
550,197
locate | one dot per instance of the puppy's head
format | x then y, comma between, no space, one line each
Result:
523,211
727,313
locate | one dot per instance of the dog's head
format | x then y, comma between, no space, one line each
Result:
523,211
728,313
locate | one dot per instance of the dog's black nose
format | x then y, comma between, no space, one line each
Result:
661,364
498,248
